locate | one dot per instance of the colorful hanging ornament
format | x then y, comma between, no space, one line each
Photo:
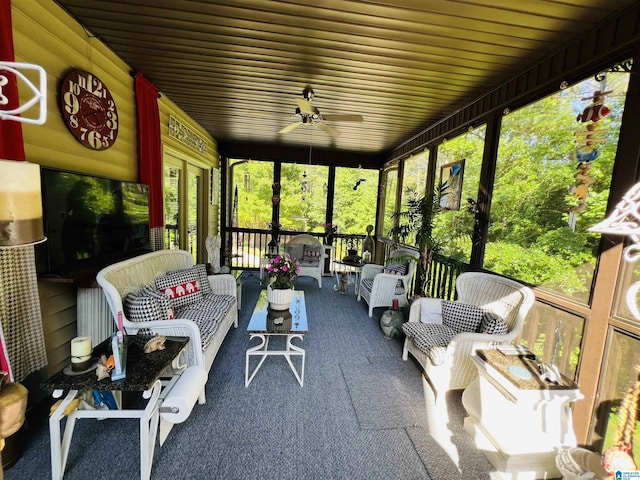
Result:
595,111
586,152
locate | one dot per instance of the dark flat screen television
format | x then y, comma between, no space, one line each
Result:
90,222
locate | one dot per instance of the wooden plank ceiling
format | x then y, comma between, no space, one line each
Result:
237,67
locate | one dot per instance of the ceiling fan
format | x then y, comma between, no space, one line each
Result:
307,114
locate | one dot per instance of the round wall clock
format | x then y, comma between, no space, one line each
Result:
89,110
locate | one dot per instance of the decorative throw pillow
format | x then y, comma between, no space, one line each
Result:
181,286
201,271
493,324
147,304
396,268
295,251
166,305
462,317
311,251
430,310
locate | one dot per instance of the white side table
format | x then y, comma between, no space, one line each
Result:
518,423
143,376
351,270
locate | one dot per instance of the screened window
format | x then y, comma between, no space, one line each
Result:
414,182
356,195
550,187
457,180
623,357
303,197
252,190
390,188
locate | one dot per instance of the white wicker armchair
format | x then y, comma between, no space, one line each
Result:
379,289
310,266
506,298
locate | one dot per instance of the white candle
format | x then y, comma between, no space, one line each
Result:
80,349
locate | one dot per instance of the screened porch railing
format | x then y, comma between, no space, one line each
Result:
248,246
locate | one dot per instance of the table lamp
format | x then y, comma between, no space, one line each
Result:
20,204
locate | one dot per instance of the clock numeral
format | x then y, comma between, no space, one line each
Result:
112,120
71,103
73,121
105,142
74,88
92,85
82,82
94,139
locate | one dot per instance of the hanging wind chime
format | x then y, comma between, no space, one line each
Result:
586,150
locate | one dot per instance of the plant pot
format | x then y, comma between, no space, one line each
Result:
279,299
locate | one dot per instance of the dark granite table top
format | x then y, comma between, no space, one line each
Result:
143,369
350,262
506,365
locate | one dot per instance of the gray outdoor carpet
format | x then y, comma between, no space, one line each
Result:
386,393
363,413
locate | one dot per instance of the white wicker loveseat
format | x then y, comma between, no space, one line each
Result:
309,251
132,285
381,284
443,335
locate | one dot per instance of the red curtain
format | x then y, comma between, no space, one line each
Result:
150,147
11,144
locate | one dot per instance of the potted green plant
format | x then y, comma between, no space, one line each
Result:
352,243
418,219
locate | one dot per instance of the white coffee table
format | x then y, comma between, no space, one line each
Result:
266,323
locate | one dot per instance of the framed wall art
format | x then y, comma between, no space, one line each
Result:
451,176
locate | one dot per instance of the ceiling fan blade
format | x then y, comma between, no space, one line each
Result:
290,127
343,118
327,129
306,107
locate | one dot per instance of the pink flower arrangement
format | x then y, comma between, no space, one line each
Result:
283,271
330,228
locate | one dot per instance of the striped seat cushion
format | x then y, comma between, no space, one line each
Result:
396,268
368,286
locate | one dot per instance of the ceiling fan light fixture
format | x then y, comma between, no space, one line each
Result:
310,115
307,93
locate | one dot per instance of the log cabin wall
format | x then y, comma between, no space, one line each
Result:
45,35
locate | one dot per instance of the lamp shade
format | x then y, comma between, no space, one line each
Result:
20,204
